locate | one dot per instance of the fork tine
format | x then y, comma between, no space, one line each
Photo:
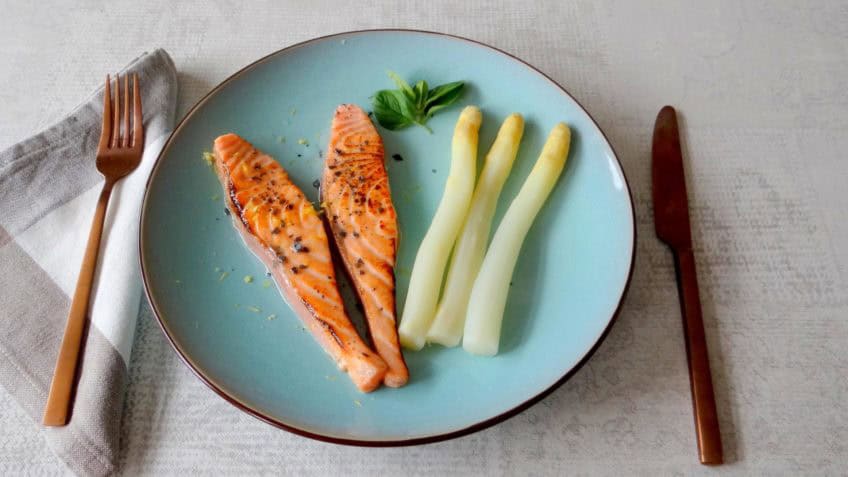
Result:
138,125
125,140
116,120
106,128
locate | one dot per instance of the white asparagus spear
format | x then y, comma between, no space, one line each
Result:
489,293
471,245
428,270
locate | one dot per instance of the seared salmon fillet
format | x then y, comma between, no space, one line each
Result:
358,206
283,229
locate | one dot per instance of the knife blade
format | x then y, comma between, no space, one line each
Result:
671,222
671,205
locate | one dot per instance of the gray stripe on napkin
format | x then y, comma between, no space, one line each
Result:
90,446
26,343
30,184
28,349
4,237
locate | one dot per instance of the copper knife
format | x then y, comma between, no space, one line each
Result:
671,220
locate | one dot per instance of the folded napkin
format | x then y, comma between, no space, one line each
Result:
48,191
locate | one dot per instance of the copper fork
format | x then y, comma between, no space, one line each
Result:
118,154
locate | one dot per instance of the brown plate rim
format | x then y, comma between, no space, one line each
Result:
394,442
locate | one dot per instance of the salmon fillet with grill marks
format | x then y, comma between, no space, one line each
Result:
358,206
282,228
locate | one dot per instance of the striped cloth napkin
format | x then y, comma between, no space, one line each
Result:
48,191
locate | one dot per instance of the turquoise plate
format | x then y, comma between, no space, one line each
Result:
242,339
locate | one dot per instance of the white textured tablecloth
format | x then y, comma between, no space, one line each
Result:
763,93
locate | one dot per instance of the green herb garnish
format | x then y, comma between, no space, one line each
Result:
408,105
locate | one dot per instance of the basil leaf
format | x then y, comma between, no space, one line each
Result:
408,105
403,86
443,95
391,108
421,94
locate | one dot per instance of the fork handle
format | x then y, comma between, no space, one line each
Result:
59,399
703,398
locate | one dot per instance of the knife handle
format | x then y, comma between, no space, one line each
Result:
703,398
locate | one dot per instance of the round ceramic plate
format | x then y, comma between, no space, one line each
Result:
243,340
